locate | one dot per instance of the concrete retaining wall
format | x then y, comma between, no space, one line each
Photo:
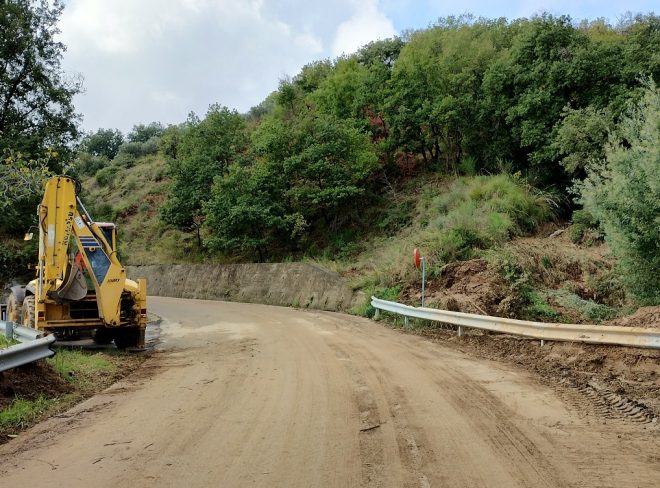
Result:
286,284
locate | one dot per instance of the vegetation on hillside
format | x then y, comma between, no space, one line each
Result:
622,192
455,138
465,96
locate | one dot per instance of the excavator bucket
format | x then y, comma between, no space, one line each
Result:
74,286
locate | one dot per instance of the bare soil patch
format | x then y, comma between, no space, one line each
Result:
466,286
644,317
31,381
599,371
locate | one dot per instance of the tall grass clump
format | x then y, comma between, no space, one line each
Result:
477,213
23,412
80,368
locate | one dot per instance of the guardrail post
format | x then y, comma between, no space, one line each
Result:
405,321
9,330
377,314
461,331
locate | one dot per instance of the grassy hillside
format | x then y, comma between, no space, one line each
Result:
130,196
489,249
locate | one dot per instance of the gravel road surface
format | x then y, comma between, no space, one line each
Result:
253,395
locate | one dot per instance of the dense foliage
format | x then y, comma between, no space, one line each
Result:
623,193
36,109
207,149
541,102
467,96
38,123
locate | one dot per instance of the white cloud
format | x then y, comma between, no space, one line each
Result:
156,60
160,59
367,24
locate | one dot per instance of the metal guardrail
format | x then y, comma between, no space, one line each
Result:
27,334
26,352
34,346
592,334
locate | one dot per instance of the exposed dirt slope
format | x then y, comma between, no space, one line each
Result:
29,382
549,279
251,395
465,286
644,317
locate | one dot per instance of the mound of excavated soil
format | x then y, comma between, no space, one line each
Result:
467,286
644,317
31,381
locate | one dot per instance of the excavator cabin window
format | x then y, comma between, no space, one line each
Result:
109,232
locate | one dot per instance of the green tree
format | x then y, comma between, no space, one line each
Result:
325,162
103,142
435,102
341,93
529,84
144,132
312,75
623,193
21,181
246,211
168,143
580,138
205,149
356,87
38,123
36,98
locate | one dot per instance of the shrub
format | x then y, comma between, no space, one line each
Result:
623,194
607,288
584,228
590,310
15,256
102,211
538,307
106,176
129,152
366,309
87,164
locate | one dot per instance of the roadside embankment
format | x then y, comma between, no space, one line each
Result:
287,284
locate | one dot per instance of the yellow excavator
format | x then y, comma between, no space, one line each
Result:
80,286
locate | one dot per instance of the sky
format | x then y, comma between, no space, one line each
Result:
159,60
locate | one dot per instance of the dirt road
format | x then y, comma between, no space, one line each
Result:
250,395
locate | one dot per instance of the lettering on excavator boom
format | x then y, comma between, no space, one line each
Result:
68,224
